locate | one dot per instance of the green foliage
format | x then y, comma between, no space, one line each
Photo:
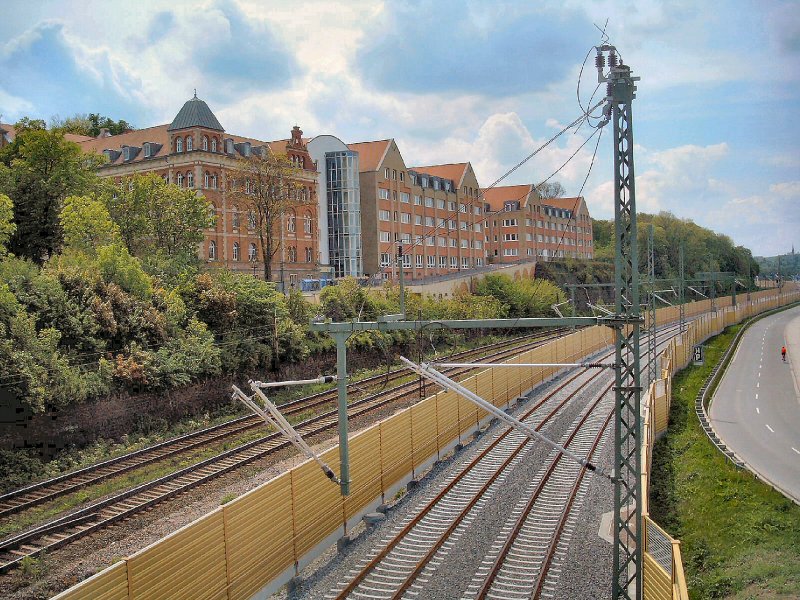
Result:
117,266
90,125
789,265
158,217
87,224
739,538
19,467
349,300
705,250
38,171
34,568
522,298
7,227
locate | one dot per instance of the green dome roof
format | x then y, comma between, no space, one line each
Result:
195,113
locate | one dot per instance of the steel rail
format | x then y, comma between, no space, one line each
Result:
61,532
429,506
522,519
44,491
407,581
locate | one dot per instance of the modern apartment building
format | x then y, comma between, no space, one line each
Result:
434,213
195,151
339,206
521,226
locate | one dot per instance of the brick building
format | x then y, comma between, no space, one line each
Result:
195,151
434,212
522,226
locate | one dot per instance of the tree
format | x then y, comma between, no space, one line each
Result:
7,228
38,171
552,189
87,224
266,184
155,216
91,124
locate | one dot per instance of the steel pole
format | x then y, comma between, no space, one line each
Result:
627,579
341,384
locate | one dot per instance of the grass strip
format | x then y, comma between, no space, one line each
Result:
739,538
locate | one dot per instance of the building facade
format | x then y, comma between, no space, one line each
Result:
195,151
339,208
522,226
434,213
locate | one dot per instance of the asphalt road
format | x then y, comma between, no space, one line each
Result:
756,407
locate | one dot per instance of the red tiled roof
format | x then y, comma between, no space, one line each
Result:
497,196
74,137
160,135
7,128
453,171
572,204
137,137
370,154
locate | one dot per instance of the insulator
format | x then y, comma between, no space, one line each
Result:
609,89
612,59
600,61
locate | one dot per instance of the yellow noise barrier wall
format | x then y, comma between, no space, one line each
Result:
664,578
256,543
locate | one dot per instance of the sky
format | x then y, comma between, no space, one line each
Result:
715,120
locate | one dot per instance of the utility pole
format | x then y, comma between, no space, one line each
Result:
651,308
681,291
402,280
627,576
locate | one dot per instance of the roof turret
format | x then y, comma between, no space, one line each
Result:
195,113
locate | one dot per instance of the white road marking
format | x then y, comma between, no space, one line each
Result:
756,396
770,428
758,411
796,450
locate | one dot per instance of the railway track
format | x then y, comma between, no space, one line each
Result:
523,551
62,531
44,491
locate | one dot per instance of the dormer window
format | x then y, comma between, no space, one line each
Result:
126,153
205,143
229,146
147,149
179,145
189,143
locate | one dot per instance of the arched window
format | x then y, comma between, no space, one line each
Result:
189,179
188,143
307,222
205,180
180,179
251,220
214,181
236,251
212,250
235,217
292,254
205,143
251,252
291,223
308,255
213,144
179,145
